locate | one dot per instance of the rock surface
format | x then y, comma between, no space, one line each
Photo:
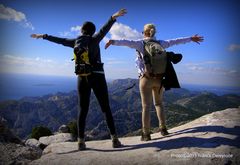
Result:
61,137
12,153
211,139
13,150
63,129
35,143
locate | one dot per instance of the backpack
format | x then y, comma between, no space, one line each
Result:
155,58
81,56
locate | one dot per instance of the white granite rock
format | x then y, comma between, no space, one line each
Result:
61,137
63,129
32,142
12,153
211,139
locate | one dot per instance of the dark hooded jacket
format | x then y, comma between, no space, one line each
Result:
170,79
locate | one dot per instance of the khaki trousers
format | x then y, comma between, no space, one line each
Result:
150,91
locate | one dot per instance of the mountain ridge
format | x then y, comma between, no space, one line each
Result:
54,110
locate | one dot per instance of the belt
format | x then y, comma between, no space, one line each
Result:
100,72
153,76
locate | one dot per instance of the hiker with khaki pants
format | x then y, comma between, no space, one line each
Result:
150,89
151,84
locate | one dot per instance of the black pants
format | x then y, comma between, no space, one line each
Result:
97,82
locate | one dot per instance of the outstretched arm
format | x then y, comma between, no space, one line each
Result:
135,44
63,41
172,42
104,30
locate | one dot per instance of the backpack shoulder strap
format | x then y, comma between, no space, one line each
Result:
139,54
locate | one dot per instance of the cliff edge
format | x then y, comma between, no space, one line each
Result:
210,139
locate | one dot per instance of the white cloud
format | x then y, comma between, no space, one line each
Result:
211,67
65,34
121,31
10,14
196,68
204,63
72,32
118,31
114,61
76,29
212,62
28,24
18,60
234,47
209,73
46,66
36,65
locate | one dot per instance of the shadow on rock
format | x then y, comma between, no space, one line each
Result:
190,140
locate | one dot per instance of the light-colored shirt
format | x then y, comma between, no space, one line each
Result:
139,46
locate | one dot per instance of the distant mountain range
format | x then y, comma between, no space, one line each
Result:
54,110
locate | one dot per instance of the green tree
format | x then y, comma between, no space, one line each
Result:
40,131
72,125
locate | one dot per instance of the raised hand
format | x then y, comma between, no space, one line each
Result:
37,36
196,38
121,12
108,44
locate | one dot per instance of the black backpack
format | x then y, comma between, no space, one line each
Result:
83,66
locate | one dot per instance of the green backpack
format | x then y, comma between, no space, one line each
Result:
155,58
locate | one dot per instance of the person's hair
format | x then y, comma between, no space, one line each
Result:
149,29
88,28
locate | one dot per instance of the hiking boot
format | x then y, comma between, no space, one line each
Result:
145,137
116,143
164,131
81,144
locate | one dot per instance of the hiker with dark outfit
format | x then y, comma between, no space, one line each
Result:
151,85
95,79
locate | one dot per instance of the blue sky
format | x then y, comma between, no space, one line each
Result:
213,62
